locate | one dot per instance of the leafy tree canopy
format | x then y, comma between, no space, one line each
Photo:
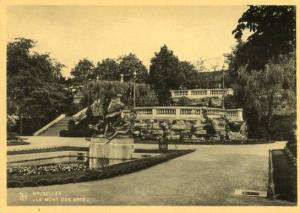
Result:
130,64
105,90
273,32
166,73
35,86
83,71
267,92
108,69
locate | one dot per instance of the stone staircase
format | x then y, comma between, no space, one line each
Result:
57,127
61,122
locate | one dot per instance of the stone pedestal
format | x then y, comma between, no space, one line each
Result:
120,148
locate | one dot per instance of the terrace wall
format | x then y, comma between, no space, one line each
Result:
186,113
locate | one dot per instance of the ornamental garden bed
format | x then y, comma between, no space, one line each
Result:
75,176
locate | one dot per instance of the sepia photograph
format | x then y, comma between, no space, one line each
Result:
150,105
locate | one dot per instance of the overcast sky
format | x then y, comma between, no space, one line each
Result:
71,33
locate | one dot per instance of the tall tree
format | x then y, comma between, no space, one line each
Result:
108,69
130,64
271,90
165,73
83,71
190,75
273,32
257,61
35,89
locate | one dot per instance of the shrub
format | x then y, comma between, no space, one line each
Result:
108,89
43,182
68,180
261,133
71,124
55,181
12,136
100,175
29,183
103,175
64,133
81,178
183,101
114,172
92,175
14,184
59,181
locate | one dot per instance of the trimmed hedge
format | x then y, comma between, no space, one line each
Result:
17,143
51,149
90,175
282,176
207,142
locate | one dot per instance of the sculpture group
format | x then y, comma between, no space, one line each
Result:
117,121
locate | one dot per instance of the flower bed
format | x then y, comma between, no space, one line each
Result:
14,180
47,169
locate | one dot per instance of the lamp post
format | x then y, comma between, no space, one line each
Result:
122,78
88,90
134,75
223,88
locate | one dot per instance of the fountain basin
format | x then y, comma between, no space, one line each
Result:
120,148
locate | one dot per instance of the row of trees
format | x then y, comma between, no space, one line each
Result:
166,72
37,92
110,70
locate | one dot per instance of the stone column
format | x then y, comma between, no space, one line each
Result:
240,114
153,113
189,94
177,113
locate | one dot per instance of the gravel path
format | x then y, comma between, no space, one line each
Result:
208,176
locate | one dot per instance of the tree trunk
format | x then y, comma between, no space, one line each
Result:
21,124
270,114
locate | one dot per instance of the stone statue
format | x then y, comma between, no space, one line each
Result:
209,124
113,116
115,122
124,127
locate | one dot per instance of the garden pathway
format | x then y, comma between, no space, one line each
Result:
208,176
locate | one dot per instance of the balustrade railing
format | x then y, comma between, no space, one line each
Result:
186,113
200,93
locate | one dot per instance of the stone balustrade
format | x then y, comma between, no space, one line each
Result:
189,113
201,93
